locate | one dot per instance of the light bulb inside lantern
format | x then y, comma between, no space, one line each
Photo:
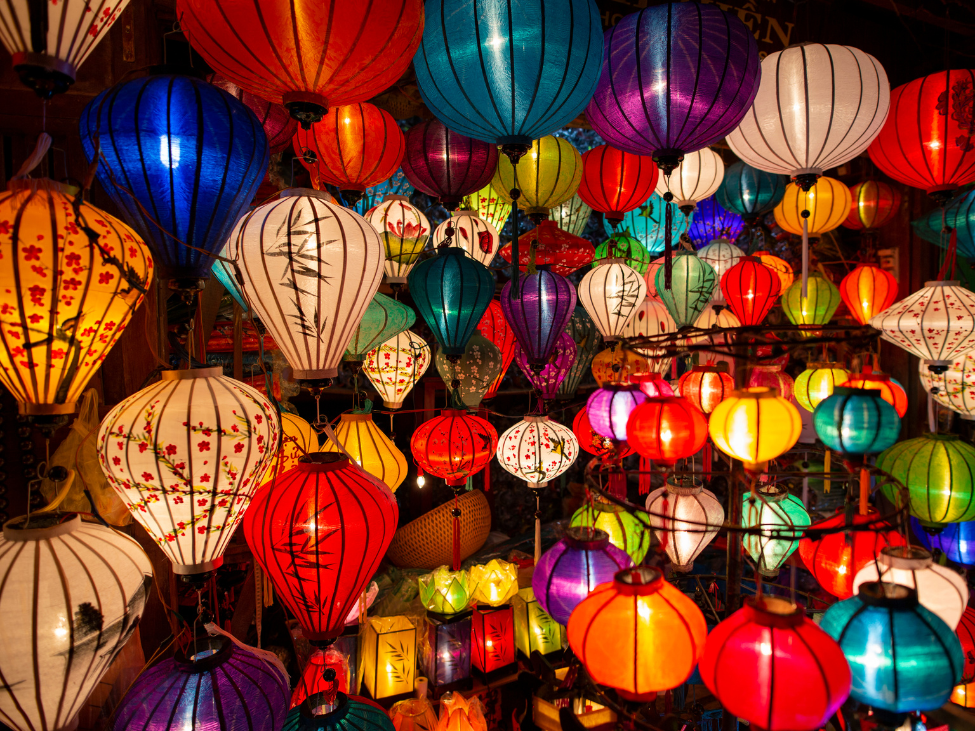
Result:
169,151
421,481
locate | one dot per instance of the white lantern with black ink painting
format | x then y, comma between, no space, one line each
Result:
611,293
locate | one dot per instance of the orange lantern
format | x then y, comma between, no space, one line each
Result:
780,266
867,291
595,443
890,390
666,429
705,387
874,204
617,364
750,289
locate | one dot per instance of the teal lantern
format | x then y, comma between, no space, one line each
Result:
224,273
588,342
750,192
385,318
691,285
856,421
649,224
958,215
903,657
781,518
452,291
939,472
623,246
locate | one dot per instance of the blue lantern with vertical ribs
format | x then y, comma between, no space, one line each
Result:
648,224
750,192
712,222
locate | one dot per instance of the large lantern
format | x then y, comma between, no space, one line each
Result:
713,223
445,164
856,422
319,532
495,328
547,176
648,224
955,388
549,246
572,216
750,288
588,342
371,449
278,125
689,289
548,379
685,518
71,599
827,201
817,382
454,445
404,231
395,366
780,518
537,450
309,57
611,294
609,409
475,236
666,429
384,319
676,78
750,192
867,291
472,375
705,387
186,455
754,425
538,313
875,203
816,307
310,270
615,182
697,177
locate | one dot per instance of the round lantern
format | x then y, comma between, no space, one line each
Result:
298,438
816,308
473,374
779,266
73,302
780,518
611,294
549,246
627,531
618,365
572,216
685,518
588,342
958,215
889,389
623,246
478,238
925,143
903,657
168,140
675,78
395,366
778,643
856,422
537,450
590,441
754,425
278,125
954,540
964,695
609,408
965,629
454,445
836,556
696,178
705,387
384,318
615,182
750,192
323,712
955,388
648,224
308,58
817,382
689,290
773,377
867,291
185,455
404,231
650,321
319,532
940,590
666,429
622,624
571,569
937,470
547,175
713,223
652,384
495,328
72,596
538,313
827,201
489,206
452,291
371,449
875,203
750,288
445,164
818,106
547,380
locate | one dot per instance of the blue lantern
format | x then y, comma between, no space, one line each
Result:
648,224
958,214
712,222
396,185
856,421
954,540
191,156
509,73
902,656
750,192
225,275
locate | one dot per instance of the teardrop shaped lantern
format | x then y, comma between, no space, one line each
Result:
750,192
588,342
609,408
828,202
369,447
384,319
454,445
690,287
705,387
697,177
754,425
495,328
615,182
473,374
572,216
817,382
537,450
685,518
713,223
547,175
666,429
279,127
648,224
816,308
780,519
867,291
750,288
875,203
475,236
447,165
549,246
856,422
611,294
404,231
310,269
547,380
395,366
538,313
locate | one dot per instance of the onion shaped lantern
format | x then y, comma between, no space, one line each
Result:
588,342
828,202
278,125
856,422
547,380
572,216
750,192
955,388
185,455
590,441
954,540
538,313
475,236
537,450
666,429
395,367
705,387
623,246
616,182
384,319
447,165
445,592
774,378
548,175
611,294
489,206
867,291
697,177
713,223
627,531
875,203
817,382
370,448
781,267
780,519
754,425
609,409
454,445
817,307
685,518
750,288
889,389
648,224
691,285
495,328
549,246
473,374
404,231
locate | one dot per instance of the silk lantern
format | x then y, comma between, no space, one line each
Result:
609,408
965,630
445,164
651,322
705,387
856,422
185,455
384,318
828,202
588,342
473,374
648,224
817,382
867,291
538,313
572,216
477,237
489,206
754,425
535,630
549,246
689,290
958,215
594,443
395,366
369,447
653,384
750,288
278,125
617,365
749,191
772,377
623,246
955,388
889,389
615,182
627,531
547,380
495,328
814,306
779,266
454,445
313,679
715,320
721,255
697,177
404,231
547,175
666,429
780,519
713,223
685,518
875,203
611,294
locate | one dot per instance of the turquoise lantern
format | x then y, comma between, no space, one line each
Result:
648,224
691,286
588,342
750,192
385,318
856,422
224,274
959,215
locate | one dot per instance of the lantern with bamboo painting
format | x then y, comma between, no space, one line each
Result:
371,449
867,291
388,659
395,366
404,231
689,289
611,294
493,639
535,629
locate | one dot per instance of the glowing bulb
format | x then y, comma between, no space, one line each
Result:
935,144
765,648
421,481
496,41
348,121
389,668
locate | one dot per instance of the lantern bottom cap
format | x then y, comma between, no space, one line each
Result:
683,568
395,280
197,568
393,404
315,375
33,409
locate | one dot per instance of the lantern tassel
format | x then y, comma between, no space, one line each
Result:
645,477
805,254
455,564
826,468
617,484
538,527
864,490
668,248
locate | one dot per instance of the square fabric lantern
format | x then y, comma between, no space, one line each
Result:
534,628
446,657
389,656
493,638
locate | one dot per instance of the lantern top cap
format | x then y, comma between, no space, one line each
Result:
678,486
216,652
322,461
769,611
317,706
942,437
774,492
638,581
944,283
585,538
307,192
40,527
536,418
705,369
887,595
360,416
909,558
189,373
35,184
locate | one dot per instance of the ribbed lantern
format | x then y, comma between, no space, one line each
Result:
777,643
955,388
445,164
618,364
475,236
72,596
538,313
816,308
685,518
697,177
828,202
627,531
385,318
615,182
750,289
588,342
547,380
621,245
856,422
652,384
323,712
549,246
666,429
495,328
754,425
676,78
547,175
611,294
958,215
620,626
889,389
875,203
185,455
781,267
473,374
716,319
537,450
692,284
572,216
817,382
780,518
648,224
609,408
954,540
651,320
750,192
965,630
721,255
867,291
454,445
371,449
712,223
404,231
278,125
772,377
705,387
489,206
395,366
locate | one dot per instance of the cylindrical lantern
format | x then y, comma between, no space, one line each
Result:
754,425
495,328
781,518
549,246
827,201
627,531
615,182
750,192
750,288
856,422
714,223
383,319
867,291
816,308
404,231
473,374
611,294
817,382
875,203
697,177
395,366
666,429
537,450
572,216
609,409
454,445
371,449
649,224
547,380
779,266
445,164
547,176
538,313
475,236
588,342
690,288
889,389
705,387
685,518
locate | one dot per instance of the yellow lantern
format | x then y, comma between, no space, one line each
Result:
298,438
458,713
828,203
372,450
548,175
444,591
817,382
71,276
388,656
754,425
494,583
617,364
534,627
489,206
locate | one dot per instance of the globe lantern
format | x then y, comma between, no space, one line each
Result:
369,447
310,286
549,246
681,91
278,125
816,307
774,378
648,224
537,450
609,407
323,712
489,206
867,291
713,223
169,138
618,364
856,422
468,232
547,380
828,202
615,182
666,429
889,389
875,203
547,175
185,455
594,443
622,624
627,531
447,165
454,445
955,388
473,374
307,58
689,289
779,266
384,319
611,294
750,192
778,643
750,289
319,532
404,231
495,328
958,215
705,387
780,518
72,596
685,518
817,382
572,216
588,342
650,321
954,540
697,177
538,313
754,425
621,245
458,713
721,255
395,366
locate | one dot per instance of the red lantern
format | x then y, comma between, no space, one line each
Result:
445,164
705,387
652,384
278,125
593,443
548,244
771,376
927,140
354,147
495,328
615,182
890,390
868,290
835,558
874,204
777,643
750,288
666,429
319,532
966,634
492,637
454,445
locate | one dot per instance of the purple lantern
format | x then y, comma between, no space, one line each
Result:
609,407
548,380
675,79
573,567
226,686
712,222
446,164
539,314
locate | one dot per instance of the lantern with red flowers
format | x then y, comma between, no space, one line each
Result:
890,390
278,125
454,445
875,203
595,443
616,182
445,164
705,387
867,291
750,289
548,245
666,429
495,328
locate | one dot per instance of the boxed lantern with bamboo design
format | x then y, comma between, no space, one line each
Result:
493,633
534,627
388,657
445,650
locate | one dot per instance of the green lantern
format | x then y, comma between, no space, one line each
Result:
588,342
571,216
622,245
817,382
939,472
627,531
476,370
534,628
385,318
692,282
444,591
781,518
817,308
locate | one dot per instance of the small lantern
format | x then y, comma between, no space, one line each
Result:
705,387
474,372
867,291
754,425
616,366
774,378
653,385
459,713
781,267
628,248
547,710
547,380
298,438
445,592
489,206
720,254
413,714
816,308
691,285
475,236
890,390
371,449
446,649
493,583
627,531
493,638
611,294
817,382
781,518
588,342
384,319
395,366
389,656
534,627
685,518
609,409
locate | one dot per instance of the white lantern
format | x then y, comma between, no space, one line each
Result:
537,450
716,319
571,215
697,177
939,589
651,319
404,231
685,518
721,255
955,388
185,455
395,366
818,106
472,234
936,323
310,269
611,293
71,597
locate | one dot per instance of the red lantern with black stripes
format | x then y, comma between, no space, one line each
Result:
666,429
454,445
750,288
867,291
874,203
616,182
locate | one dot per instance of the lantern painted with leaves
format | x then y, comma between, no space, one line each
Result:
547,380
650,321
384,318
454,445
404,231
495,328
750,288
534,627
867,291
754,425
473,374
690,288
615,182
685,518
370,448
547,176
611,294
475,236
816,308
750,192
395,366
817,382
588,342
538,313
445,164
572,216
780,519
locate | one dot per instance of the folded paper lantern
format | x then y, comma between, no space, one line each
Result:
535,629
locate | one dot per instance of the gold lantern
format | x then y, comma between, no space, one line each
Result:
388,656
494,583
298,438
372,450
